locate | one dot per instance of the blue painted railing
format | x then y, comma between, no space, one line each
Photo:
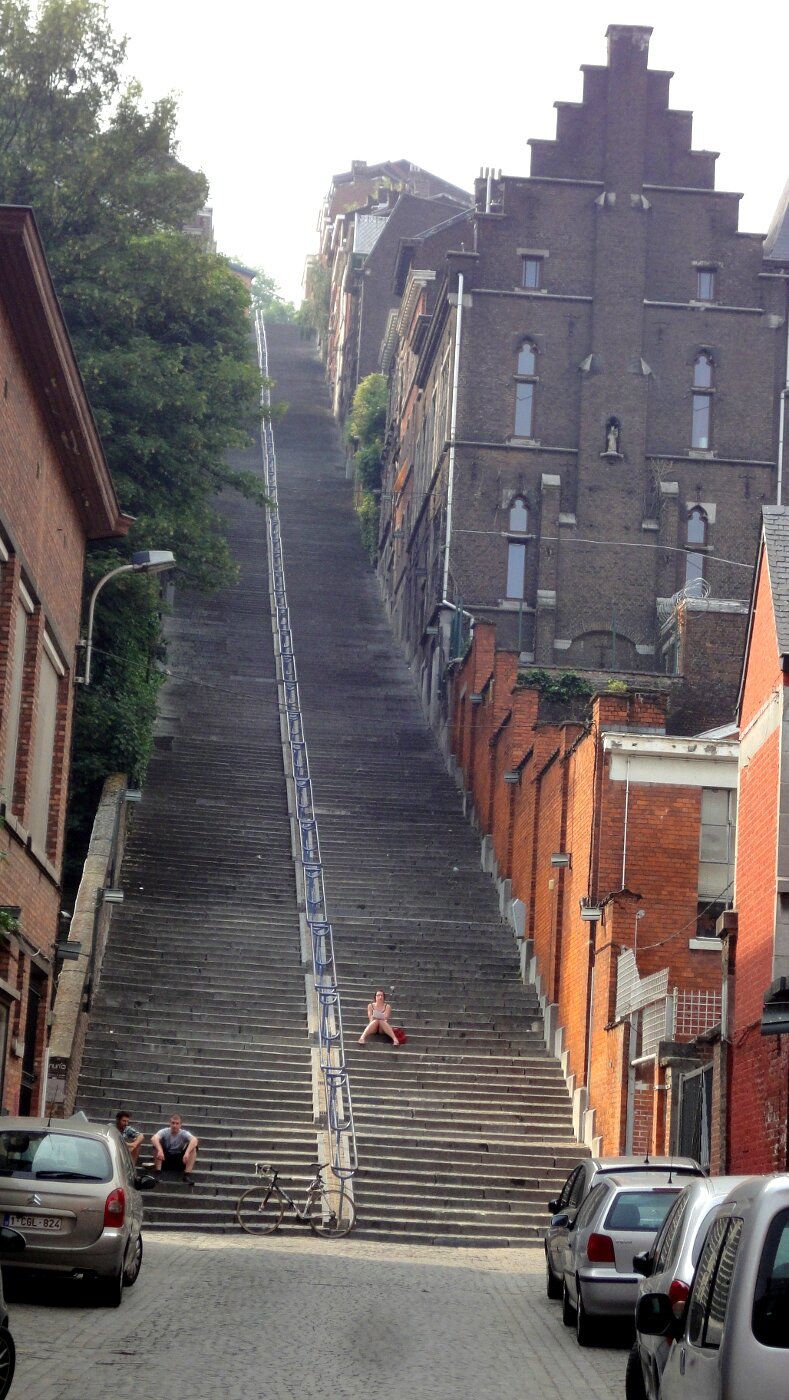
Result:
339,1110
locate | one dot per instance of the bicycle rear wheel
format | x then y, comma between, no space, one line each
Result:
331,1212
260,1210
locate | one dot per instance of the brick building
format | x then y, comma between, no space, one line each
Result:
55,493
585,393
757,1028
356,211
613,844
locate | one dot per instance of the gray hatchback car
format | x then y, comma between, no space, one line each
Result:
620,1217
70,1188
575,1190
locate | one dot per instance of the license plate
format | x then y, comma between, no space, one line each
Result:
34,1222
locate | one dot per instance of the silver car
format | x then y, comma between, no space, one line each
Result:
579,1183
668,1267
733,1337
619,1218
70,1187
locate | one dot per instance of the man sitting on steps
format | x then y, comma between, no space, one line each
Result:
174,1149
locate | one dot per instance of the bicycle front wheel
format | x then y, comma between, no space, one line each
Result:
260,1210
331,1212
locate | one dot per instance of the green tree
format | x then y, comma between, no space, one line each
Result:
313,314
366,428
160,328
267,298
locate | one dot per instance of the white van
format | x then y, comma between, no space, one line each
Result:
733,1337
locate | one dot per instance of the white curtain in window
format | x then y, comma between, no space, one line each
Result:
43,752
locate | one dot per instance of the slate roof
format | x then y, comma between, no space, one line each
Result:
776,540
776,244
367,231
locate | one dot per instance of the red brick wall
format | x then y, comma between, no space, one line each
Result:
43,531
760,1066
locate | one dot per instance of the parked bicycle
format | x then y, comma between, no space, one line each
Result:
328,1208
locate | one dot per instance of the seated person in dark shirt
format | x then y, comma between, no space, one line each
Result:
131,1135
174,1149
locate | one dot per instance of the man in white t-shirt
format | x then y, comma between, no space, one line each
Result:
175,1149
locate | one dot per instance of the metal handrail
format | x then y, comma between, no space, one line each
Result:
339,1109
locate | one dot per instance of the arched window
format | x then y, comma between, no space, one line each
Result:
703,390
519,517
525,388
696,540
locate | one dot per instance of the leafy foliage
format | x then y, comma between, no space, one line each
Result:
313,314
269,301
557,688
366,427
160,328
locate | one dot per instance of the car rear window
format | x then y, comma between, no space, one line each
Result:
641,1210
771,1298
54,1156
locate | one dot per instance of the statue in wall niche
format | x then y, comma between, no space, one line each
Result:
611,439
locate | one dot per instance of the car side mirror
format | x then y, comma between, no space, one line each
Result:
11,1241
144,1181
642,1263
655,1316
561,1221
555,1205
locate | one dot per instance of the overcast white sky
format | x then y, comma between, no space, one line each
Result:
276,98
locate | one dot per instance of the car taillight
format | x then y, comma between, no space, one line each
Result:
600,1249
115,1208
678,1296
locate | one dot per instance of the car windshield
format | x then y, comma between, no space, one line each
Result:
54,1156
641,1210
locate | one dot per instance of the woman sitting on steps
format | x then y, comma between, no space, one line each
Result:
380,1014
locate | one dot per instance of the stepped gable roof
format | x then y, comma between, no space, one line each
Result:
776,244
30,300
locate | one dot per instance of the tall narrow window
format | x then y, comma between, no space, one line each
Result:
696,534
532,273
519,517
525,386
14,703
518,524
705,284
703,390
44,748
516,569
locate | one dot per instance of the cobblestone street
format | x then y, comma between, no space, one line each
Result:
294,1318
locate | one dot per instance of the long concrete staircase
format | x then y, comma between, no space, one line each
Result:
465,1131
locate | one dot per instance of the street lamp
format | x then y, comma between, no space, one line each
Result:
145,561
639,916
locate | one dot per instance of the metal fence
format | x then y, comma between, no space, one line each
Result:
339,1110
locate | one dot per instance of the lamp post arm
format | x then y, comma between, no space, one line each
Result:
122,569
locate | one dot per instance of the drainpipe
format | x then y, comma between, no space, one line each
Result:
452,424
782,418
627,804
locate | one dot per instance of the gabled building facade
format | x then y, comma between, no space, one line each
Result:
354,214
55,494
595,391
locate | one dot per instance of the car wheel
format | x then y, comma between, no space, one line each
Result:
108,1292
133,1264
7,1361
568,1311
634,1376
583,1328
553,1285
